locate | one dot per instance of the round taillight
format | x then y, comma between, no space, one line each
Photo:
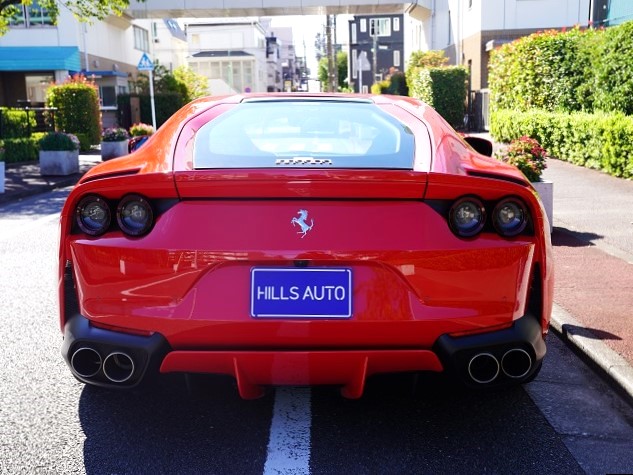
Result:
467,216
93,215
509,217
134,215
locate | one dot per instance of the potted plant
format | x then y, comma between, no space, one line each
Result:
140,129
114,143
529,157
140,133
59,154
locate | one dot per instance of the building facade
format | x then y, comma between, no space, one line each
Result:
231,53
376,47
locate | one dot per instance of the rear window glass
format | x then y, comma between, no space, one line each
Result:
304,134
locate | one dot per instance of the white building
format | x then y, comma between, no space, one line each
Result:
230,52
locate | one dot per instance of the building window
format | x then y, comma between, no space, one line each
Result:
107,94
363,25
396,58
31,16
141,39
396,24
353,33
380,27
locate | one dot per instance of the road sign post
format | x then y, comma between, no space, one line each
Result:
146,64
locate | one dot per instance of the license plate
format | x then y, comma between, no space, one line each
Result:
301,293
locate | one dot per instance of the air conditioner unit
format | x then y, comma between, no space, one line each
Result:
95,63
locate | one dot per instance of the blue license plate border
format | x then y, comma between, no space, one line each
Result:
341,277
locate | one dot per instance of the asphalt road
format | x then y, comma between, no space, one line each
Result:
567,421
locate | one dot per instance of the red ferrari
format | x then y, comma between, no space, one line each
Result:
298,239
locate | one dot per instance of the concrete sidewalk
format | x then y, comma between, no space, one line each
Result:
24,179
593,250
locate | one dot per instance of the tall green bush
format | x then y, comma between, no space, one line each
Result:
443,88
77,103
541,71
614,70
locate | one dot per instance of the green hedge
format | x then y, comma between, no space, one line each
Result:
600,141
166,104
443,88
16,123
21,150
77,103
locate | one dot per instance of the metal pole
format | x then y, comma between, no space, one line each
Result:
151,97
328,52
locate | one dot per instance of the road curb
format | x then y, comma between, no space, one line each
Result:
611,363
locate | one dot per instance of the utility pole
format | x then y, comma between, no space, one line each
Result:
373,31
331,85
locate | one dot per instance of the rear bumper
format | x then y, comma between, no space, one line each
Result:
253,370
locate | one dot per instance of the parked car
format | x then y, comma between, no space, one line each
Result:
296,239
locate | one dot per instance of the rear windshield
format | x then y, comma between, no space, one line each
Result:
304,134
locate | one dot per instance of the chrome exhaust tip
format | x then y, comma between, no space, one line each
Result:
516,363
86,362
118,367
483,368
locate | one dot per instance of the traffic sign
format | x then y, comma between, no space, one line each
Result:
145,64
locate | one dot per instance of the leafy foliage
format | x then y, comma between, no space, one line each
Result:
165,105
341,69
614,70
59,141
114,134
21,150
140,129
84,10
444,89
600,140
15,123
527,155
539,71
424,59
77,103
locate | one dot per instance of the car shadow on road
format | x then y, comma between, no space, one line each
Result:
565,238
166,430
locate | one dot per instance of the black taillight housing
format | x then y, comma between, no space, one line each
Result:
133,214
469,215
92,215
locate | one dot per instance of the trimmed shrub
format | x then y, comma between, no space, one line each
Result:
77,103
21,150
380,87
166,105
543,71
59,141
84,143
398,84
444,89
614,70
16,123
600,141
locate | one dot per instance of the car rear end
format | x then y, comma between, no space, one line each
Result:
305,241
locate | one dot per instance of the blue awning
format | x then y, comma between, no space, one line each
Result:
39,58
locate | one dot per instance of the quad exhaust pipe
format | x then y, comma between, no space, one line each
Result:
484,368
117,367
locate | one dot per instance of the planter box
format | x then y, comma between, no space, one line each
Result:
2,177
62,162
113,149
545,190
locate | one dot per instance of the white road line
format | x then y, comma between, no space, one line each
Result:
289,441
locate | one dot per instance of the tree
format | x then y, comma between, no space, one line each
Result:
84,10
341,67
188,84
